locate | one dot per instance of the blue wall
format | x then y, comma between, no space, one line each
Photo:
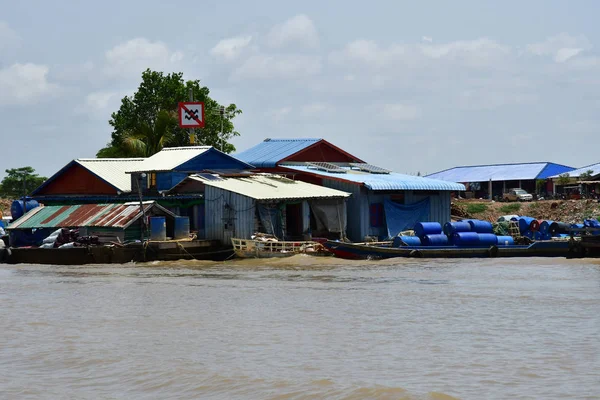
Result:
166,180
553,169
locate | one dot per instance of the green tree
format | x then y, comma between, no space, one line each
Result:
587,175
12,184
539,185
563,179
142,118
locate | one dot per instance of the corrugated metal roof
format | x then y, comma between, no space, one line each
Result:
169,158
97,215
269,187
112,170
595,168
267,153
391,181
499,172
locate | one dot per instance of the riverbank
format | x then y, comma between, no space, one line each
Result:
569,211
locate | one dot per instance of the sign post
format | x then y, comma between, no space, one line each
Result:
191,116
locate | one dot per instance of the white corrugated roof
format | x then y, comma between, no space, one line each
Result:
169,158
112,170
269,187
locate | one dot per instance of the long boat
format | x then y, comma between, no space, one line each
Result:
550,248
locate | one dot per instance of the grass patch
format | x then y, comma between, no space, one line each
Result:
476,208
511,208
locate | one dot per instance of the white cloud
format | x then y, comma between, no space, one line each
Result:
399,112
561,47
316,109
298,30
278,114
8,37
135,55
101,103
428,39
264,66
230,49
25,84
472,53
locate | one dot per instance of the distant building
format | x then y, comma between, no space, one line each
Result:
503,177
579,184
382,204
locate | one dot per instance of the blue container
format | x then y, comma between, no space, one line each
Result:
182,228
545,227
524,223
435,240
558,227
17,210
479,226
406,241
465,239
537,235
452,227
158,228
488,239
505,241
528,234
427,228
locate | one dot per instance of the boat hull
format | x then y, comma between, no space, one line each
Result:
365,251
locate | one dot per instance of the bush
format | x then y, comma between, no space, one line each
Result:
476,208
511,208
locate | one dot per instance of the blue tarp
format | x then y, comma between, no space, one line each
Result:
401,217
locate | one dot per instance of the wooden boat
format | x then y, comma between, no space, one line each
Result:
257,248
550,248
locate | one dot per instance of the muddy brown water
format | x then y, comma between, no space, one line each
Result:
302,328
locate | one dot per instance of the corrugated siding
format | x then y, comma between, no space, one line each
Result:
499,172
220,226
357,209
554,169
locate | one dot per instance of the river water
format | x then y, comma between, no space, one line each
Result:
302,328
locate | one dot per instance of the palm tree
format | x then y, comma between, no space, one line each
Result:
146,139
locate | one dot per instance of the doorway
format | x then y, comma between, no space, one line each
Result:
293,221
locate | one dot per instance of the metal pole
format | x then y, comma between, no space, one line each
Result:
222,112
191,130
490,190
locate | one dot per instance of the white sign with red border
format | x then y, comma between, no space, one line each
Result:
191,115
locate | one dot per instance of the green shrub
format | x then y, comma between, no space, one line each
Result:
511,208
476,208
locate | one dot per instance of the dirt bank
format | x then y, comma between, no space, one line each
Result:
570,211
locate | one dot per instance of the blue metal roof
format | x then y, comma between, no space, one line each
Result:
501,172
267,153
391,181
595,168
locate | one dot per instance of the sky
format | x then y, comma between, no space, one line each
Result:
416,87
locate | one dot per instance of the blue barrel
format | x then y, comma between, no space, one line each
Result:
487,239
406,241
427,228
545,227
481,226
17,210
537,235
451,227
158,228
577,226
524,223
505,241
528,234
182,228
465,239
435,240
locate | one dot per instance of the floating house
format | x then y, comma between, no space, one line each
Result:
109,222
383,203
503,177
238,206
89,180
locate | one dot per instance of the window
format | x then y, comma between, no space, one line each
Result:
152,180
376,214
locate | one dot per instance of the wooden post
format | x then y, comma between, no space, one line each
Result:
490,190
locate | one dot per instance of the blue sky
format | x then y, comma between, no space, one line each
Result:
411,86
